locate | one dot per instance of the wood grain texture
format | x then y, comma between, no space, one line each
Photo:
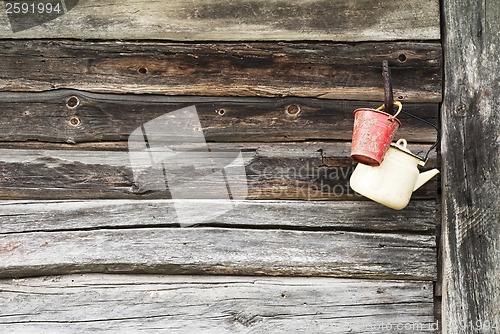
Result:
471,178
356,216
320,70
219,251
354,20
307,171
194,304
46,117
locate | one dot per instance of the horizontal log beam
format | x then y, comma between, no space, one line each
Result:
51,117
356,216
308,171
319,70
220,251
351,20
150,304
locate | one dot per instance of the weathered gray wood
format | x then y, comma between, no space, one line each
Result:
249,250
471,178
320,70
353,20
221,251
46,117
187,304
359,216
312,170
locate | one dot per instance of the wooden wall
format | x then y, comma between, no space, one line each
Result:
471,165
279,81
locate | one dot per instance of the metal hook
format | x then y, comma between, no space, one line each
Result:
389,104
388,95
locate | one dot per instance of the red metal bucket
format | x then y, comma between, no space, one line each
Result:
373,133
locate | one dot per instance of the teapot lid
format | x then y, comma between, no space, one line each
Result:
401,145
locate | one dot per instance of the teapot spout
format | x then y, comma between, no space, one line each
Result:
424,177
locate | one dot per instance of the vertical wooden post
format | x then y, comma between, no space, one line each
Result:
471,166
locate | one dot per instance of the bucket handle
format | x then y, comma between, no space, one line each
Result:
396,103
438,133
400,109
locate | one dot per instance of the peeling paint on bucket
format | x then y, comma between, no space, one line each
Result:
372,134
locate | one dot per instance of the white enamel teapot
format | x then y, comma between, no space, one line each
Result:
393,182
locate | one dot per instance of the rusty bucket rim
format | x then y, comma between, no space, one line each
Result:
389,116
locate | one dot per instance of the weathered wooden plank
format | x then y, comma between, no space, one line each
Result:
187,304
310,171
359,216
320,70
221,251
471,178
231,20
47,117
